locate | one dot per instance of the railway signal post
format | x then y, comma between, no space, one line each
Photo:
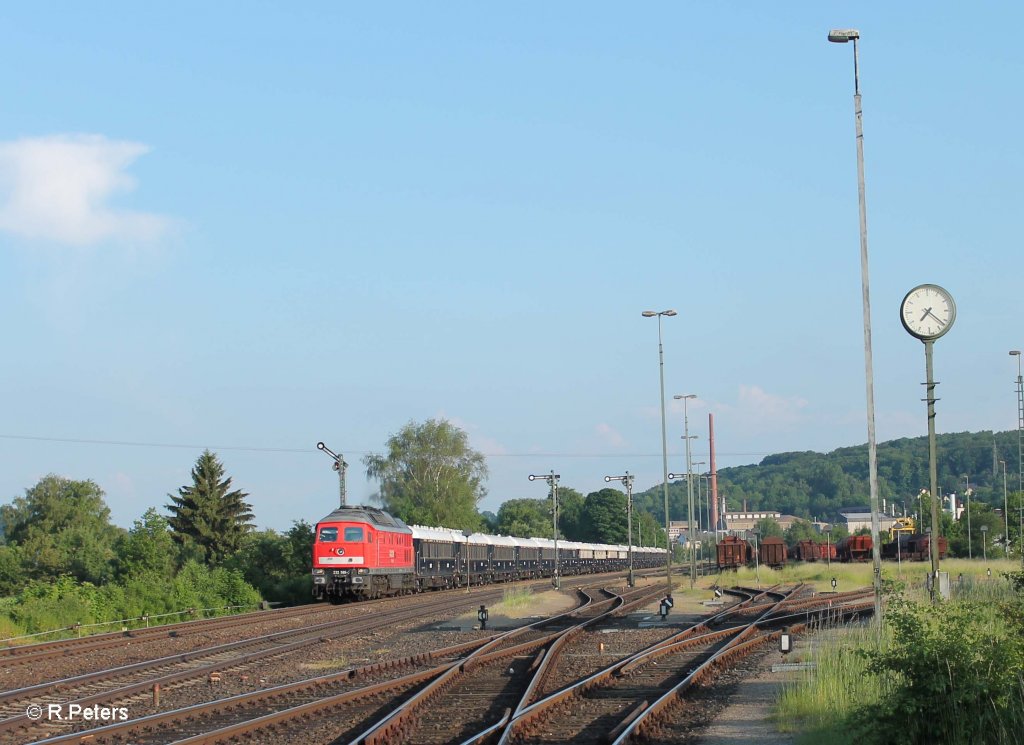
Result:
627,479
552,479
339,465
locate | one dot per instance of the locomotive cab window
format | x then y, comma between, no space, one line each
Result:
328,535
353,535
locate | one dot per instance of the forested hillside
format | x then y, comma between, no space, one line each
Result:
810,484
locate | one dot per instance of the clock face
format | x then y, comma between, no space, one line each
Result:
927,312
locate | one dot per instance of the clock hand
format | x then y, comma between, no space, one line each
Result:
925,314
941,322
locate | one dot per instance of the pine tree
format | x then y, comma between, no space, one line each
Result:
208,513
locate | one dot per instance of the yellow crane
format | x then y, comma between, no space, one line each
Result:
902,526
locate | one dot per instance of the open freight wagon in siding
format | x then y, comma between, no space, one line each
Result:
734,552
772,552
854,548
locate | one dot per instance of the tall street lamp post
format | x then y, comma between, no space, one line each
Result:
627,479
1020,453
967,500
984,539
702,516
701,529
664,441
1006,515
689,484
552,479
842,36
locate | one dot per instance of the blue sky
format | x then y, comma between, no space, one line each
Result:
250,228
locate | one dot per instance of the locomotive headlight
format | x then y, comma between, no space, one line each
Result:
317,570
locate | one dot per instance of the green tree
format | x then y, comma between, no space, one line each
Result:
570,513
604,516
430,475
12,576
769,527
278,565
981,515
647,529
490,521
60,527
525,518
147,548
208,513
839,532
801,530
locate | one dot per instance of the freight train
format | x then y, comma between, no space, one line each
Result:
364,552
735,552
914,547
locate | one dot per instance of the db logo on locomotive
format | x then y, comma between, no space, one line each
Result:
339,551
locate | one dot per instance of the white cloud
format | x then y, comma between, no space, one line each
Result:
760,411
57,189
477,439
609,435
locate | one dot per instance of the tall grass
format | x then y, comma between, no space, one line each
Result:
952,673
515,598
852,576
817,705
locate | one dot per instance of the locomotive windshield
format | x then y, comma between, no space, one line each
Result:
328,535
354,535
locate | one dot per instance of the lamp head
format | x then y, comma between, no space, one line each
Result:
669,313
652,314
1015,352
843,35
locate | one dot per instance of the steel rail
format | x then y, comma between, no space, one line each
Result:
689,637
122,730
383,730
17,655
527,712
736,647
316,633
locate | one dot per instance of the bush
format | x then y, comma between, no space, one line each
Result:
47,606
952,673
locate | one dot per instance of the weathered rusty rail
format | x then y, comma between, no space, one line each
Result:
138,678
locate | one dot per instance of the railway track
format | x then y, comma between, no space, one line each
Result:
15,655
35,653
356,697
634,698
501,688
503,676
121,683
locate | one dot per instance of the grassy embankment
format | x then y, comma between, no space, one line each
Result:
952,673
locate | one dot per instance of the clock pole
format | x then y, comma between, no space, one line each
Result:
937,314
933,474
